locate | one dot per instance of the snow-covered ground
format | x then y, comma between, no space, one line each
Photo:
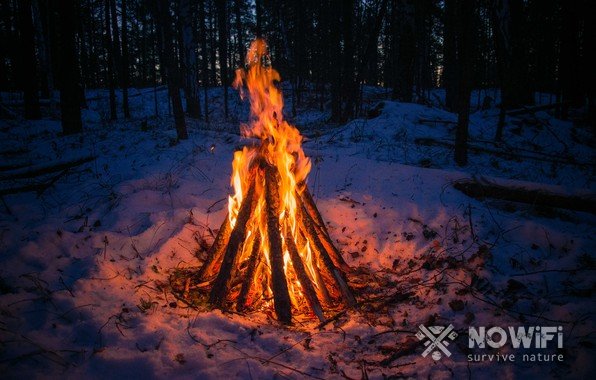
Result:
85,265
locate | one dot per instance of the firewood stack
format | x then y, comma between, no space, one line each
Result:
233,279
273,248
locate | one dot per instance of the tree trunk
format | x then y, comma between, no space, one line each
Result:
42,33
508,21
239,30
68,67
449,54
204,57
222,21
350,88
465,30
115,37
589,61
334,51
367,71
167,46
193,107
28,61
110,62
569,70
212,45
406,52
125,72
81,31
259,17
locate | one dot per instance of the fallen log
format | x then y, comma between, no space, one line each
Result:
482,188
542,107
427,141
437,121
37,186
35,171
15,165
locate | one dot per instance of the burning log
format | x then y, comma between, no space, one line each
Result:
253,262
322,232
273,249
281,297
309,291
217,249
220,286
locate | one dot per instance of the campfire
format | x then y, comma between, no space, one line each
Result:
273,248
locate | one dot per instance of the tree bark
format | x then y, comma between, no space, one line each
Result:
334,51
28,61
239,31
167,45
259,18
449,54
508,20
125,72
110,61
69,67
222,282
569,69
222,21
40,13
482,188
193,107
465,30
405,53
350,87
204,57
279,285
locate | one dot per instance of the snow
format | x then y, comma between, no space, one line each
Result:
85,265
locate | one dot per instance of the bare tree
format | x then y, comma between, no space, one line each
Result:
204,57
193,107
164,19
110,61
405,51
465,31
28,61
125,80
222,20
68,67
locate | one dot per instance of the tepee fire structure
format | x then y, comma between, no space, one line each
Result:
273,245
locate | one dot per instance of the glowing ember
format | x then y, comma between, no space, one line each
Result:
273,246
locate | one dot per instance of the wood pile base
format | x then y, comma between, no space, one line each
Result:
236,262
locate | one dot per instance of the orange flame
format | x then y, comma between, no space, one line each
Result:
283,140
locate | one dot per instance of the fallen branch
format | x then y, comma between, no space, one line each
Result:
427,141
13,166
35,171
482,188
150,91
437,121
38,187
526,110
